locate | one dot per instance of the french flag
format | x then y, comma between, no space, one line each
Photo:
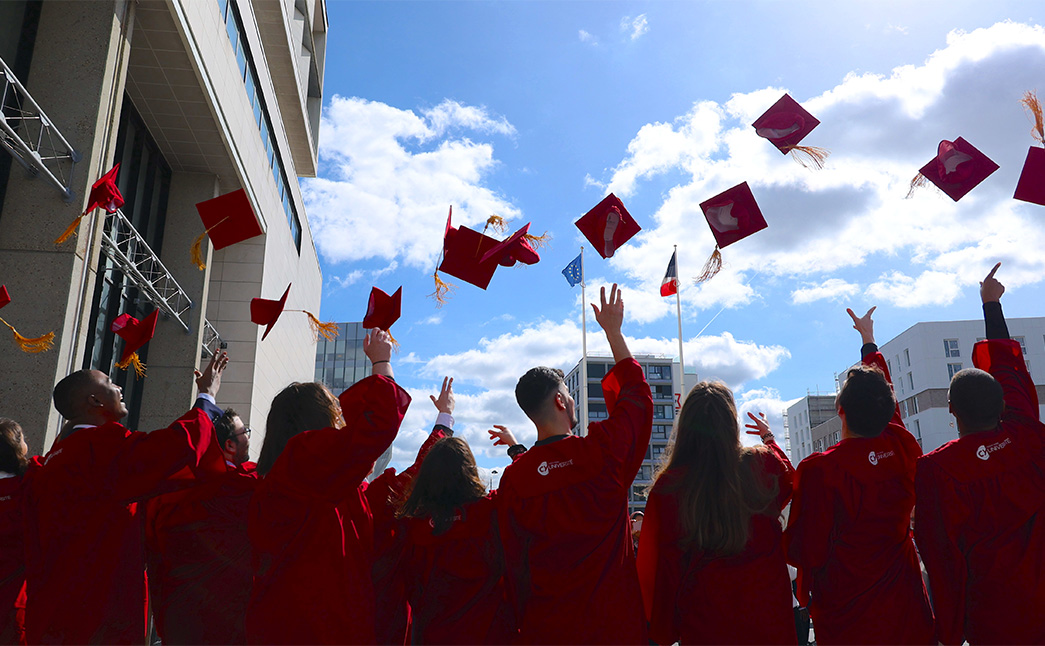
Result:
670,285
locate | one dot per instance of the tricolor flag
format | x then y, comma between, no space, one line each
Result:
670,284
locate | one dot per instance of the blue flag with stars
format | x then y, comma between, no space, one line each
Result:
573,271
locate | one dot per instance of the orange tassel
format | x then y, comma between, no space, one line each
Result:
392,340
497,222
133,360
70,230
538,242
197,245
442,290
1031,103
806,155
328,330
711,267
918,181
31,346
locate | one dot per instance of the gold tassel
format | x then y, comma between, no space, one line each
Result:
442,290
497,222
197,245
70,230
538,242
806,155
916,183
1031,103
133,360
711,267
392,340
31,346
328,330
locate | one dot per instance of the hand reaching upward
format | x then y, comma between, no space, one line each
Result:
209,381
990,289
864,325
611,316
444,403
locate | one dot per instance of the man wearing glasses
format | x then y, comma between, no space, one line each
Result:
233,437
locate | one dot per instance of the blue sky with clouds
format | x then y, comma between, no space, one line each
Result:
535,110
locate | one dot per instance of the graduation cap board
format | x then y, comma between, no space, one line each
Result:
105,194
1031,187
785,124
135,334
732,215
26,344
383,310
264,311
518,247
957,169
461,257
608,226
227,219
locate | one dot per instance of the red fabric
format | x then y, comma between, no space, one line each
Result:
311,528
563,516
697,598
85,558
392,620
456,579
12,562
849,535
198,555
981,517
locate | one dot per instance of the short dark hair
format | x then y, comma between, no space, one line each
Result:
977,399
867,400
223,426
68,393
535,386
12,460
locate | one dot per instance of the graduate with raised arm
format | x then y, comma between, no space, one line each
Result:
85,561
848,532
710,548
563,504
311,526
981,498
198,551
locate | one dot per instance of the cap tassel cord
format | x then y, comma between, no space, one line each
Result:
497,222
711,267
806,155
538,242
328,330
71,229
442,290
133,360
916,183
197,246
1031,103
31,346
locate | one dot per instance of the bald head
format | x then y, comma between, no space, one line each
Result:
976,400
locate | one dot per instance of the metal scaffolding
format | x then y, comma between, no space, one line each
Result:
212,341
31,138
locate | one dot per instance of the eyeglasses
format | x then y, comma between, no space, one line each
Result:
246,431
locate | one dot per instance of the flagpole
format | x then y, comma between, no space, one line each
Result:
584,353
678,310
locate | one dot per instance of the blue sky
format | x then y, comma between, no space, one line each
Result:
535,110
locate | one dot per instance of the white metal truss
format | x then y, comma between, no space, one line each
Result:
31,138
212,341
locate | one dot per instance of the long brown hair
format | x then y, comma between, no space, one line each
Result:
297,408
718,490
448,480
12,458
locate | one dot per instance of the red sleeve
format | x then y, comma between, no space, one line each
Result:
384,490
808,535
938,513
626,434
149,464
328,463
1003,358
876,359
778,464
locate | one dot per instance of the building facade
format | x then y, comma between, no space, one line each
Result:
341,362
194,99
802,417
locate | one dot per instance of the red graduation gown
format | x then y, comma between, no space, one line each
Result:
311,528
980,525
85,558
696,598
563,516
198,555
456,579
12,562
849,535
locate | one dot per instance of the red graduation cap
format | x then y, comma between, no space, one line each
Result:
266,312
518,247
383,310
39,344
135,334
463,251
105,194
227,219
957,168
732,215
785,124
608,226
1031,187
5,298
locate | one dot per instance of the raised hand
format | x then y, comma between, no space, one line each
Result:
445,402
990,289
863,324
502,436
761,427
377,345
209,381
611,315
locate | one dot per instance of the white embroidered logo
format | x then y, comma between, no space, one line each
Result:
984,452
546,467
874,457
53,456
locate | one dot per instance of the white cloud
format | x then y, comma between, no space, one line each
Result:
451,114
434,319
635,27
762,400
586,37
834,289
930,288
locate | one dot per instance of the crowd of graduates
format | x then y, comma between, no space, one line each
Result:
112,526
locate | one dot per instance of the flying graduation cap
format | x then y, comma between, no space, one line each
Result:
383,310
26,344
608,226
785,124
1031,187
105,194
521,246
227,219
135,334
957,168
264,311
732,215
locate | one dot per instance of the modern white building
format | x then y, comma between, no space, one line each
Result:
194,99
802,417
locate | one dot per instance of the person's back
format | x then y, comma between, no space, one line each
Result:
981,499
564,508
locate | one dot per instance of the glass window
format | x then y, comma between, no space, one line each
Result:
953,368
660,432
907,358
1023,345
918,430
910,380
950,348
596,370
249,84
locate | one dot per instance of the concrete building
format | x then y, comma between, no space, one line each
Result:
341,362
193,98
802,417
665,382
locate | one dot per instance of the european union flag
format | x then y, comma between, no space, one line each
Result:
573,271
